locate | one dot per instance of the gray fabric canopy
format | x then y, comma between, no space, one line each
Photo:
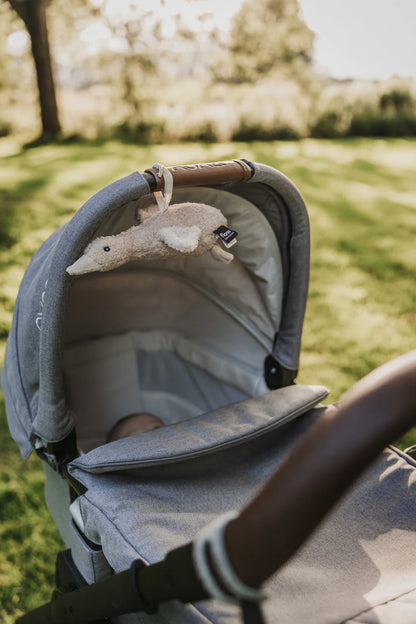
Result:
32,376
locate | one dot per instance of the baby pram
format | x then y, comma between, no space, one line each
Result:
214,350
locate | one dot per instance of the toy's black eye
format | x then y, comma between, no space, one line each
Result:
106,248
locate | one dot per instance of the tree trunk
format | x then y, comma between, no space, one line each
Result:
33,13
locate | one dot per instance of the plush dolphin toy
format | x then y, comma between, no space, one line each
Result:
188,228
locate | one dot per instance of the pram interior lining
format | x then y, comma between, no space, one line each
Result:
156,371
258,249
146,337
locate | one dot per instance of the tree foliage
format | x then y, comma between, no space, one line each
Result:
397,101
266,35
132,49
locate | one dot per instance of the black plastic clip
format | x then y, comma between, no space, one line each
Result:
276,376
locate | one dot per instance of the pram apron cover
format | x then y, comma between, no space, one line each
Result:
32,376
146,495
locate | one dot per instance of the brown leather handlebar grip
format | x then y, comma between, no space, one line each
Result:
201,174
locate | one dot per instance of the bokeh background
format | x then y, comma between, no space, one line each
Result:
324,90
189,70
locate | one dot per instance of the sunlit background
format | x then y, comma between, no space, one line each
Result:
367,39
174,70
370,39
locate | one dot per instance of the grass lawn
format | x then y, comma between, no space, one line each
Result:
361,196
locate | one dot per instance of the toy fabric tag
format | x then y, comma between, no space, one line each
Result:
163,197
227,236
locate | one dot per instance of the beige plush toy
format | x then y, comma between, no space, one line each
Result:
187,228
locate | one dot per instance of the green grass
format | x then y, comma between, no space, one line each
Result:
361,311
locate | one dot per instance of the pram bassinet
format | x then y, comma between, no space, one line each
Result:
212,349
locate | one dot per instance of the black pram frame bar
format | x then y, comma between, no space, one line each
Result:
140,588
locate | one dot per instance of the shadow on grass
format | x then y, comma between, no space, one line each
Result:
12,219
7,235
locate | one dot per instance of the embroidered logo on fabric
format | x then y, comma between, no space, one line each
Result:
39,315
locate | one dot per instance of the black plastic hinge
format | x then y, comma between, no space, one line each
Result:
59,454
276,376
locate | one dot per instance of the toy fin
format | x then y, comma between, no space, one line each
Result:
181,238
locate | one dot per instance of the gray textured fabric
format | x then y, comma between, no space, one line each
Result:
359,566
399,610
202,435
32,375
154,491
287,346
91,563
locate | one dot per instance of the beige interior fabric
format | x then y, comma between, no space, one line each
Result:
205,325
257,247
252,282
156,371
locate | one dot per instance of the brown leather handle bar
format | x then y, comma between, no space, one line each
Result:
202,174
324,463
